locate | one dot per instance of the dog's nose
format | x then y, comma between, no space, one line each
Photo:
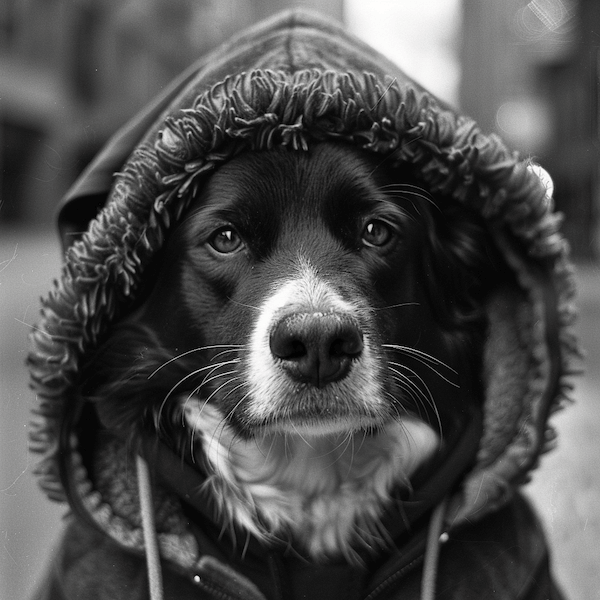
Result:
316,348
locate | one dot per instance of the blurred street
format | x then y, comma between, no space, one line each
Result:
566,489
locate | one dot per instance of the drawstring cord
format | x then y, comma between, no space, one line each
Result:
432,551
150,537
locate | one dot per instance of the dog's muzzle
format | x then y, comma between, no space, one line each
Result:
316,348
313,360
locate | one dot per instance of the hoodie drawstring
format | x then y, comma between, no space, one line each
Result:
432,551
149,529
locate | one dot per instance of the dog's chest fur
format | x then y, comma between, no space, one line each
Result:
327,492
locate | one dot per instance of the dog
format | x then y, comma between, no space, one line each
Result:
310,338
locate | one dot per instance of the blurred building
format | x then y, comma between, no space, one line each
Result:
422,37
72,71
530,70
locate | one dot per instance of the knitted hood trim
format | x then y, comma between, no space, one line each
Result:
527,360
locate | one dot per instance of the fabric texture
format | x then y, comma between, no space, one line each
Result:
502,556
296,80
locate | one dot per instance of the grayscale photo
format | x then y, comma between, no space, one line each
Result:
299,300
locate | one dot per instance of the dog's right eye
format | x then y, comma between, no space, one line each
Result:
377,233
226,240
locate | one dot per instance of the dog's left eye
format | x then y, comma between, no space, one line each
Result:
377,233
225,240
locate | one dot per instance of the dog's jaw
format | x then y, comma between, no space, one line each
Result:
325,493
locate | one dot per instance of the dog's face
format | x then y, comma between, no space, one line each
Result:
296,295
294,272
306,299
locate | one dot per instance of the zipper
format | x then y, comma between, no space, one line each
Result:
387,583
219,585
212,589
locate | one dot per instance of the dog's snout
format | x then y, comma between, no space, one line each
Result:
316,348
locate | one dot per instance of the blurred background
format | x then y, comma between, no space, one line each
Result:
73,71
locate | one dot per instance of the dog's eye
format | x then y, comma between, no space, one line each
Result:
225,240
377,233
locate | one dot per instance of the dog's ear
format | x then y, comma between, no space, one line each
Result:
461,265
123,379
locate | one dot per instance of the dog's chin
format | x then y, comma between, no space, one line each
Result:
316,414
322,484
317,427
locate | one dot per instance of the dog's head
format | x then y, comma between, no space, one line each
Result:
309,342
310,292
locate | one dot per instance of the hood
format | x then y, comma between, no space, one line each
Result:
295,80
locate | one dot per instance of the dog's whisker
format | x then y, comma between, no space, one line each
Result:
257,308
187,377
430,367
425,393
180,382
193,394
271,446
302,437
195,428
232,347
363,440
423,355
205,381
246,545
236,388
234,438
349,443
346,442
194,373
217,390
408,195
406,376
209,376
409,189
401,411
412,392
339,449
410,437
396,403
401,189
217,346
220,429
425,359
399,305
228,416
218,376
219,354
228,382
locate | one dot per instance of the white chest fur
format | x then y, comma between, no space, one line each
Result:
325,493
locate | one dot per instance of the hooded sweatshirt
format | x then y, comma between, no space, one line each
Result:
139,531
